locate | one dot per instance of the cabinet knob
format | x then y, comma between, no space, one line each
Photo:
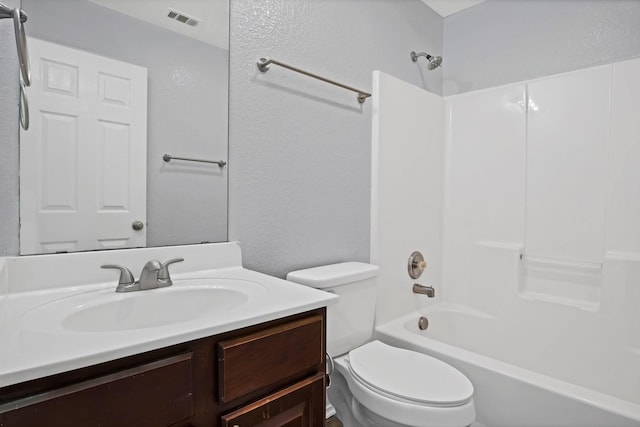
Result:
137,225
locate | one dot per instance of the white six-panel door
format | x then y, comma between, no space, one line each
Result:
83,161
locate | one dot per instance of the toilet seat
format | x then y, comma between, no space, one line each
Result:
409,376
368,371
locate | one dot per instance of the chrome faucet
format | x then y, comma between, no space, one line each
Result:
424,290
149,275
154,275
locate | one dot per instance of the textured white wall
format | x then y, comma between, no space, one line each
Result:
504,41
300,150
9,128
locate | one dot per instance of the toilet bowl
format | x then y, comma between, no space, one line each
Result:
398,387
373,383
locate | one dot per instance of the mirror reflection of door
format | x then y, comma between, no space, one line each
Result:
83,160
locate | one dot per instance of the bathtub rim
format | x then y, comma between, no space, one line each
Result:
395,330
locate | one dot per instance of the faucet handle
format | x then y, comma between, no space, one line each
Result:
163,274
126,278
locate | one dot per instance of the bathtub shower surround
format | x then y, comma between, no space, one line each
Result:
540,239
548,168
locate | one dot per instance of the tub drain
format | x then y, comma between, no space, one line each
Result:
423,323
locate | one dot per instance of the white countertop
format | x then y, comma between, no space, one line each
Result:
34,346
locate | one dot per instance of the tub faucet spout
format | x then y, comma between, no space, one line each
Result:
424,290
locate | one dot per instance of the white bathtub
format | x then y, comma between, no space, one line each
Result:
507,395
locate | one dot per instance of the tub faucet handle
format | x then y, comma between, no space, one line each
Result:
419,264
416,264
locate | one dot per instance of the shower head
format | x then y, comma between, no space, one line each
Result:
434,61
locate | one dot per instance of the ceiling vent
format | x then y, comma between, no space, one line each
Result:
183,17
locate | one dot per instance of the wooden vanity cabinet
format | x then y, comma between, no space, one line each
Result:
269,375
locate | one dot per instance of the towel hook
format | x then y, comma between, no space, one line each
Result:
19,18
21,44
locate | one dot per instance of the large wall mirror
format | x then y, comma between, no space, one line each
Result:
116,86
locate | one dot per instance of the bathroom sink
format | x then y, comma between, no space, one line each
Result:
156,307
107,311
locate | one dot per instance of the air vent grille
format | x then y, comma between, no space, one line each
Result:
183,17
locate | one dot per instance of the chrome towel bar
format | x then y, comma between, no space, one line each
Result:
168,157
263,65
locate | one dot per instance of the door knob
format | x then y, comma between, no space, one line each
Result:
137,225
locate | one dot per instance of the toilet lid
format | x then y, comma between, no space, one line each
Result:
409,375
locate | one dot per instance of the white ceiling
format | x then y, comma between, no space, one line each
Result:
449,7
213,15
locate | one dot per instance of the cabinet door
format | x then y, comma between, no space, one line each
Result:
155,394
300,405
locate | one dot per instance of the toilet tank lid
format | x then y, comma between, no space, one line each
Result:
328,276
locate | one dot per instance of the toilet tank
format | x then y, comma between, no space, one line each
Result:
350,321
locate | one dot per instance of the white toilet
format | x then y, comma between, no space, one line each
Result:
375,384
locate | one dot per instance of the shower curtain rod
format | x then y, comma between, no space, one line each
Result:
263,65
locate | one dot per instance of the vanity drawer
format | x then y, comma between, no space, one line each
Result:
270,357
156,393
298,405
